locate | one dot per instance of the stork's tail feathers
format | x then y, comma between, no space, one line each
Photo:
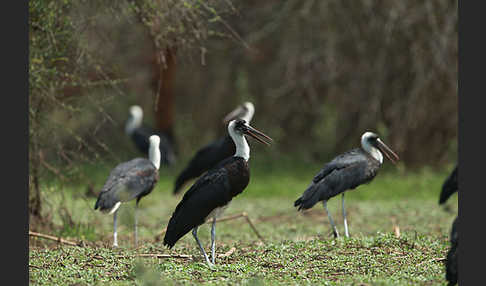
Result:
305,204
97,204
169,244
308,199
181,180
171,235
106,203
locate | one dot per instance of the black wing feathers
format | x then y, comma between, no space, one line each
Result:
205,159
214,189
449,187
209,192
345,172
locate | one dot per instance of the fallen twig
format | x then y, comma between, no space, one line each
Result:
58,239
228,253
34,266
183,256
253,227
432,260
397,231
160,255
243,214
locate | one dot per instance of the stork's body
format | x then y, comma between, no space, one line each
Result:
140,134
449,187
346,172
210,155
127,181
212,192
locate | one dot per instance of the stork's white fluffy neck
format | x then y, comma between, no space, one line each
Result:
242,147
373,151
154,154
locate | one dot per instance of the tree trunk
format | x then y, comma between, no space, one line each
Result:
163,85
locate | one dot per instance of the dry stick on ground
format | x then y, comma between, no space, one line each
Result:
243,214
160,255
58,239
184,256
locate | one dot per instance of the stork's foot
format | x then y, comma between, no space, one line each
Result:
210,265
335,233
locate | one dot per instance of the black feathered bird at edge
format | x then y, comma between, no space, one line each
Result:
452,260
212,192
346,172
449,187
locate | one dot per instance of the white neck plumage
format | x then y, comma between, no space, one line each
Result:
154,153
372,150
135,119
242,147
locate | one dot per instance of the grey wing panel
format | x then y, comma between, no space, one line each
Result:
340,180
136,178
346,159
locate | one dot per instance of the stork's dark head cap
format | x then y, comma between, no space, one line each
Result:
241,127
370,136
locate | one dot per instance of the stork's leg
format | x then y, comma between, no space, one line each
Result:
194,233
115,241
213,235
345,220
136,223
334,229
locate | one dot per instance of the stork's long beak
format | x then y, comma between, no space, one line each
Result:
233,115
387,151
258,135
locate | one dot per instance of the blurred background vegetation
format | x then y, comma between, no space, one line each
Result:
320,73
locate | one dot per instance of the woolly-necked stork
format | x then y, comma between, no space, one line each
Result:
212,192
140,133
346,172
452,260
449,187
215,152
129,180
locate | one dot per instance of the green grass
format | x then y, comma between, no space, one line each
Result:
298,248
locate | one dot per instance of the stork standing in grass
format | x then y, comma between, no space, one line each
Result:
215,152
346,172
140,133
211,193
129,180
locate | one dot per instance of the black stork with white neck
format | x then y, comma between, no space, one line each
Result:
449,187
212,192
215,152
346,172
129,180
140,133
